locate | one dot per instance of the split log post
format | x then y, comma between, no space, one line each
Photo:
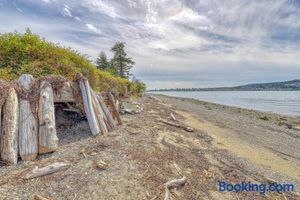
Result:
48,140
106,112
9,133
112,103
88,106
103,124
28,130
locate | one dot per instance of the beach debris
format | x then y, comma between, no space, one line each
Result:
39,197
50,169
173,117
186,128
83,152
112,103
264,117
287,125
207,173
138,109
101,165
176,183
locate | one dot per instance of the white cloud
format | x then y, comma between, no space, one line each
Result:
100,6
93,28
78,18
193,38
66,11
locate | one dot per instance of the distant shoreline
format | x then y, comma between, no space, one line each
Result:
218,90
293,85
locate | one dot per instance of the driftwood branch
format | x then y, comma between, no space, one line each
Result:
186,128
50,169
176,183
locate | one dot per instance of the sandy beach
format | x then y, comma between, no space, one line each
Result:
228,143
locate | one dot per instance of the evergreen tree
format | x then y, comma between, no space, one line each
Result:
102,62
120,61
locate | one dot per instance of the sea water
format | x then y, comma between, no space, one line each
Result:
281,102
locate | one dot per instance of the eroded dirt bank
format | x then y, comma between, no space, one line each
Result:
228,144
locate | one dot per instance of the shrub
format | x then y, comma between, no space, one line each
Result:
28,53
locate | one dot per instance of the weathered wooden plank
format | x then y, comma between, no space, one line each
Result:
48,140
28,130
65,94
108,115
9,133
88,106
103,124
112,103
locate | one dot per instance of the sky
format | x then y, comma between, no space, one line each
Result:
175,43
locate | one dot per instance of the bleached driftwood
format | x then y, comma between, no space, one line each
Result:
65,94
50,169
48,140
186,128
112,103
173,117
99,114
173,184
9,133
28,129
39,197
105,110
88,106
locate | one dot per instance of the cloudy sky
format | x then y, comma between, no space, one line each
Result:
175,43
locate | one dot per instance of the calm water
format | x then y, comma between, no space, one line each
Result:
282,102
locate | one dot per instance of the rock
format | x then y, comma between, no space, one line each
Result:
263,117
289,126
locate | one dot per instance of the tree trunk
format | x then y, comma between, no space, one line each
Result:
112,103
108,115
99,114
28,130
9,134
88,106
48,141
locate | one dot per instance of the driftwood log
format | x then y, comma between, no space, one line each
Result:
28,129
112,103
9,133
99,114
88,106
173,184
50,169
48,141
186,128
108,115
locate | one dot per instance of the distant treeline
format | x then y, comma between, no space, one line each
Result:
292,85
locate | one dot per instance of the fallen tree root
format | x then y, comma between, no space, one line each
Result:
186,128
50,169
173,184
